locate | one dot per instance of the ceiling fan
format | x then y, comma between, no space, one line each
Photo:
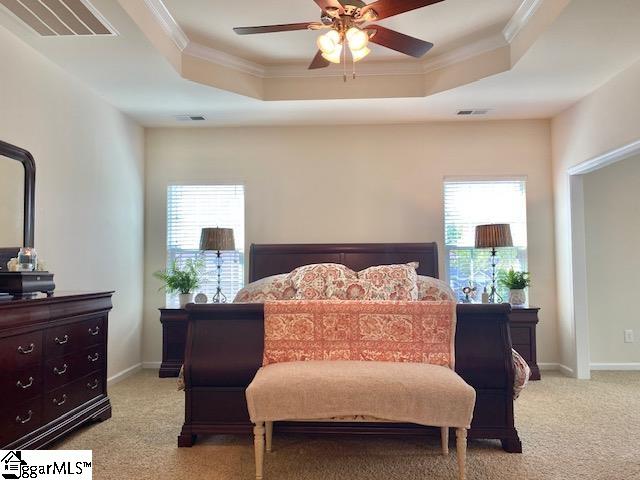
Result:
349,24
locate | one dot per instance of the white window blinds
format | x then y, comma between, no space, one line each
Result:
193,207
468,203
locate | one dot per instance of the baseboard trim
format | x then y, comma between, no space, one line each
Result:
126,373
151,365
615,366
557,367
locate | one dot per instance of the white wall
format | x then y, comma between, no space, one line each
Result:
612,218
607,119
351,184
89,186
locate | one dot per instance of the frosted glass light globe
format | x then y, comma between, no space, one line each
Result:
358,39
334,56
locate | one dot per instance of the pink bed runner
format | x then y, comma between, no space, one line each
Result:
418,332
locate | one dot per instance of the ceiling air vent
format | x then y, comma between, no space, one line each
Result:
51,18
190,118
477,111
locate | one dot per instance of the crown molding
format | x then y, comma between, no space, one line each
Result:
219,57
525,11
464,53
168,23
299,70
197,50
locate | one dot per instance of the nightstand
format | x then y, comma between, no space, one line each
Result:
174,335
523,336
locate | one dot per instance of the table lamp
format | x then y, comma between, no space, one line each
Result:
218,240
493,236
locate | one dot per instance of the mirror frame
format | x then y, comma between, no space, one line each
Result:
23,156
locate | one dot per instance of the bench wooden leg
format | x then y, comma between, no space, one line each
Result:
269,434
444,440
258,445
461,451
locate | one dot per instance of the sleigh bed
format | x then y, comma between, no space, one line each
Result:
225,342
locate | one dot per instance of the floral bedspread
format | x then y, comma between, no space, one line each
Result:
369,330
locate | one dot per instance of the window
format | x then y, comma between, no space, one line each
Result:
468,203
189,209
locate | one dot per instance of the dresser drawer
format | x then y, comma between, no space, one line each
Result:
18,386
62,370
74,337
20,351
18,420
64,399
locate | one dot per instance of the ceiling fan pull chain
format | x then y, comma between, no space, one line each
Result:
344,64
353,64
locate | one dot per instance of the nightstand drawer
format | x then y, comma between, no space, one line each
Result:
524,351
520,335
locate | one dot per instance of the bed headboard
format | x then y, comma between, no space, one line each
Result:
266,260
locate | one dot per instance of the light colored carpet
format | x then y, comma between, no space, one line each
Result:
570,429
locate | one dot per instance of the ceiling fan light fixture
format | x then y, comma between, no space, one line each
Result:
334,56
358,55
329,42
358,39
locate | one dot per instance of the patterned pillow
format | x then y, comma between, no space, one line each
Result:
434,290
390,282
276,287
310,281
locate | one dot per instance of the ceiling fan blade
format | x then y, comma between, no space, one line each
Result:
319,62
399,41
389,8
287,27
332,7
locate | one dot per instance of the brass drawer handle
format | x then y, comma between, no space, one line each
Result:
24,385
64,340
61,402
60,372
27,350
94,386
94,332
29,415
94,358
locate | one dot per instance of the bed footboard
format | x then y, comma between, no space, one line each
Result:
224,350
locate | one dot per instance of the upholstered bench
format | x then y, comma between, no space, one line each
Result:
419,393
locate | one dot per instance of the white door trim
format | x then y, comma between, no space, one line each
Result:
578,249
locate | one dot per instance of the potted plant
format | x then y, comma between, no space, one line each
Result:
181,280
516,282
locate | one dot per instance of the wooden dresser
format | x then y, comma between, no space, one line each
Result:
53,366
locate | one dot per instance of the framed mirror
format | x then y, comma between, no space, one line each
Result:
17,201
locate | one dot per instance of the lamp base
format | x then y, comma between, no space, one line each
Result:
219,297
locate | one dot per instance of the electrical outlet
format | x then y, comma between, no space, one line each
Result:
628,336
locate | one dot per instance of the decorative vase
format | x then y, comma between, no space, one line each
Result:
517,297
185,298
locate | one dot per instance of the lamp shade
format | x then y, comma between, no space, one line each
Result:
217,239
493,236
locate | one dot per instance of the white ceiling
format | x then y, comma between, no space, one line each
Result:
590,42
448,25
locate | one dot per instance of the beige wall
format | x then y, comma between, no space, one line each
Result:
351,184
89,186
607,119
612,220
